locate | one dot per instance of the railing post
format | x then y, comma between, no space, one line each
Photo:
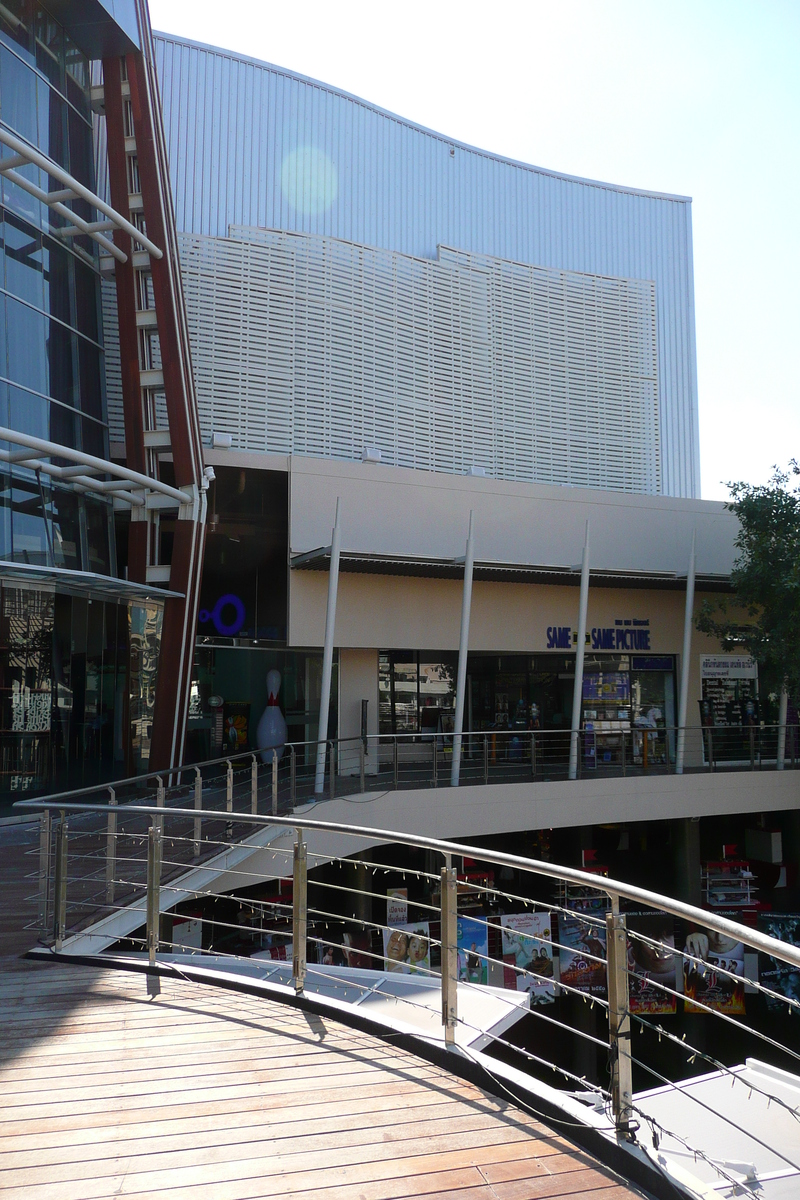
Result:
435,762
60,895
333,771
485,759
449,954
752,749
153,890
111,846
160,795
619,1021
274,783
254,786
533,756
396,765
362,766
44,868
229,786
198,803
299,913
624,771
292,776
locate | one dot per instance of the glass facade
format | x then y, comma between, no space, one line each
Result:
77,686
51,354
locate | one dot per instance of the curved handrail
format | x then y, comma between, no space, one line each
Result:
615,888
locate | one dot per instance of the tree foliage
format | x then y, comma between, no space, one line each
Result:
764,616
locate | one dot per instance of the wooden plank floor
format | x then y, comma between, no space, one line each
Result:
203,1094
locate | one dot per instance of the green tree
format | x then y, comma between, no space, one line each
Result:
763,617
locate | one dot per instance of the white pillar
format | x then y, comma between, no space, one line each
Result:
577,695
784,704
688,619
327,655
463,649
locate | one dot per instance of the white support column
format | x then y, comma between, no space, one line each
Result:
463,649
578,693
782,710
327,656
683,699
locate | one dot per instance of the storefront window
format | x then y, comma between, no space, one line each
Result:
416,692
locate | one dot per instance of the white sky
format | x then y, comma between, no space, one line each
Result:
698,97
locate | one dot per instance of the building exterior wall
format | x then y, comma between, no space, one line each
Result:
252,144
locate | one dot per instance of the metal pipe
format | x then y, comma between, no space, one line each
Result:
783,706
600,883
29,154
111,846
463,650
60,894
449,901
153,890
396,764
577,695
274,783
683,699
254,785
362,767
44,868
292,775
299,913
160,802
327,655
198,804
619,1021
485,759
333,771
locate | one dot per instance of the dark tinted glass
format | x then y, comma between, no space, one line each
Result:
58,264
90,386
29,414
23,259
77,65
18,95
49,48
61,352
53,127
3,344
27,345
16,25
81,161
63,427
87,287
98,515
28,531
94,438
66,529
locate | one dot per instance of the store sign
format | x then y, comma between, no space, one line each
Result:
727,666
624,634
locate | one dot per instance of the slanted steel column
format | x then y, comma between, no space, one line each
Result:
327,655
782,710
463,648
683,699
577,696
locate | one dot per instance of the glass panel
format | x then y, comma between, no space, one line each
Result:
26,627
18,89
27,337
16,26
385,724
58,263
28,530
63,427
61,353
87,296
28,414
90,385
98,515
66,529
23,260
53,128
437,696
145,639
78,77
49,47
94,438
405,697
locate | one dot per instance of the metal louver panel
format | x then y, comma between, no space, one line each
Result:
314,346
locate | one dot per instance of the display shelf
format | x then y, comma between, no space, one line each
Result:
728,884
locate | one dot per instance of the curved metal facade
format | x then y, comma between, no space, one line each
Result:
253,144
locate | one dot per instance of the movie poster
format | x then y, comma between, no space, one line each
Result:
473,950
236,721
779,976
700,979
579,940
651,963
528,954
407,948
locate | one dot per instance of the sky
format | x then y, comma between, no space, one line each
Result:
695,97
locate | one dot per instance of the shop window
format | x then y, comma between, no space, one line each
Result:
416,692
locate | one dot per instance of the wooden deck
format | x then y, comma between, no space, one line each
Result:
203,1094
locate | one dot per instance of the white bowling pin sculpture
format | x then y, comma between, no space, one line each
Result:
271,731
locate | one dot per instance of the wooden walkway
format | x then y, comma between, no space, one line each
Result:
203,1094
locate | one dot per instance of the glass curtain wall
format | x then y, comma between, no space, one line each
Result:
77,685
51,354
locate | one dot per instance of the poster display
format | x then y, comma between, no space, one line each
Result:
700,979
473,949
779,976
407,948
397,906
528,947
651,968
579,938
